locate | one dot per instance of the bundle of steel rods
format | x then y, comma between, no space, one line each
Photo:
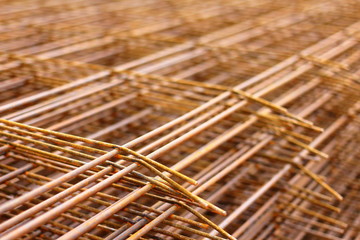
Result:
162,119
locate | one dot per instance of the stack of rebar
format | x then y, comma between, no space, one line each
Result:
162,119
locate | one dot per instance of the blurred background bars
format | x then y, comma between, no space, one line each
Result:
162,119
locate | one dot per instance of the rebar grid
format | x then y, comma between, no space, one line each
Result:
258,101
85,168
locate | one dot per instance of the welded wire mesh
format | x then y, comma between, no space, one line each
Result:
258,101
